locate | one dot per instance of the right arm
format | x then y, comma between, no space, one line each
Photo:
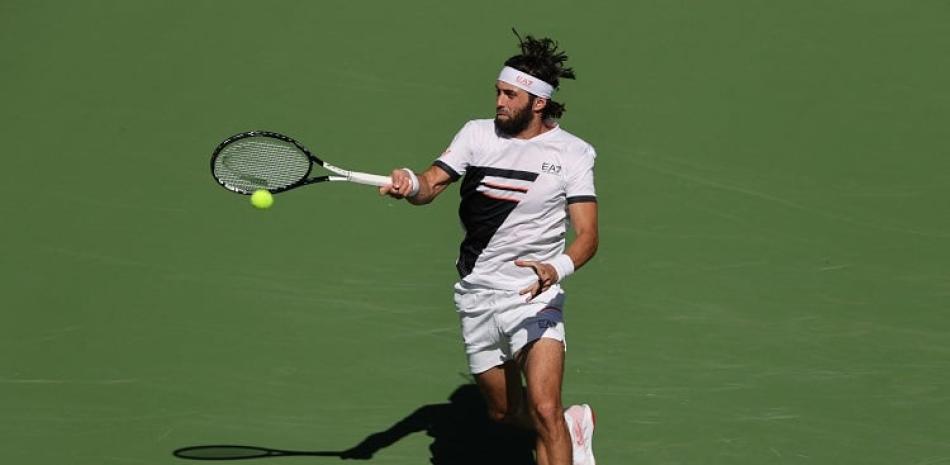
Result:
431,183
447,169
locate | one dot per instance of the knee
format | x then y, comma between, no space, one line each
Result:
505,416
498,415
547,413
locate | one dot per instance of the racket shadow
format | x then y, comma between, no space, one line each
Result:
461,432
235,452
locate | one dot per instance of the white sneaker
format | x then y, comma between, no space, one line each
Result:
580,423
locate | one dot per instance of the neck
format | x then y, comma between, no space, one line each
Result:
535,128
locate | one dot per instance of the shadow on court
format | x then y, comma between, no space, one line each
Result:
460,429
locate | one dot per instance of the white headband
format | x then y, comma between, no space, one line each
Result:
526,82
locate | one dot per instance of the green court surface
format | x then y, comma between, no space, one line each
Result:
772,285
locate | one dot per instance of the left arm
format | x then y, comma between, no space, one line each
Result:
583,217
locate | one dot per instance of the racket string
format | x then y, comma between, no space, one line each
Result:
258,162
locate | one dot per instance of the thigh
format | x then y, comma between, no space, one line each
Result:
543,365
502,388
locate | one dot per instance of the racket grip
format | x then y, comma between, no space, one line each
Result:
369,179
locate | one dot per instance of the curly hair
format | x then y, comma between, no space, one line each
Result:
541,59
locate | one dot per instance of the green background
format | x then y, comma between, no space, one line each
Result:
771,287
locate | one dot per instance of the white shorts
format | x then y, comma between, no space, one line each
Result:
496,324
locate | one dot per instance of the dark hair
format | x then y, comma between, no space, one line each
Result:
541,59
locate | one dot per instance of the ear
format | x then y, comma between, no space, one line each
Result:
540,103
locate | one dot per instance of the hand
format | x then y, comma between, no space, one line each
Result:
547,276
400,187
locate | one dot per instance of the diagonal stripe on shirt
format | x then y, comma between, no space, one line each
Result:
482,214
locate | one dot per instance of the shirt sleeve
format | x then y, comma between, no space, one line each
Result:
580,179
456,159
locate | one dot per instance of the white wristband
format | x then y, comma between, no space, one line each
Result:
564,266
415,182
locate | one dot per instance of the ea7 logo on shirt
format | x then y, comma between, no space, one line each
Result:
550,168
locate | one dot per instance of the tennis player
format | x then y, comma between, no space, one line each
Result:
524,178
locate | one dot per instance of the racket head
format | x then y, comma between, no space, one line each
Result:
223,452
255,160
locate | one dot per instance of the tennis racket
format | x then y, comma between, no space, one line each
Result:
255,160
243,452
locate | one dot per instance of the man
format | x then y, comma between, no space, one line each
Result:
524,178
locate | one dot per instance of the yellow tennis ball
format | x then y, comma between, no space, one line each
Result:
262,199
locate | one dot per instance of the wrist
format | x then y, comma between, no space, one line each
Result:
415,182
564,266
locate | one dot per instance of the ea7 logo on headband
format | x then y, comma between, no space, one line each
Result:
550,168
524,81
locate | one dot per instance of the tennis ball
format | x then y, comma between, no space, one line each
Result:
262,199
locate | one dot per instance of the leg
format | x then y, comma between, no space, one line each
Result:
543,365
504,394
498,380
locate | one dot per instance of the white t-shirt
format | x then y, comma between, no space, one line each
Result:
515,194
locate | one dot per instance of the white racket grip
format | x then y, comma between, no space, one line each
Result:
369,179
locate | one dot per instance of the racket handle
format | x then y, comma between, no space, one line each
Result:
369,179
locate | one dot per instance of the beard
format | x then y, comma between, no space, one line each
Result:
516,122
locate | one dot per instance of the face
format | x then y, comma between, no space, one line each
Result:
514,109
